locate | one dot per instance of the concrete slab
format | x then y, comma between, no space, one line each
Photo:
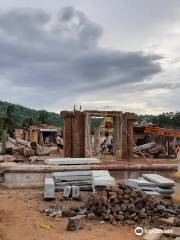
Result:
100,173
153,193
137,183
159,180
72,161
104,181
72,173
72,178
49,188
82,188
148,188
77,183
165,190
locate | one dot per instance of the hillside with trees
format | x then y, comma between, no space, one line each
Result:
169,119
23,117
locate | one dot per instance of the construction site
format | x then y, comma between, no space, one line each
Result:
104,183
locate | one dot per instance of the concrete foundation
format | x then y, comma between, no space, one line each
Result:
29,175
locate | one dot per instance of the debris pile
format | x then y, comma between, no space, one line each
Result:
149,150
21,150
128,206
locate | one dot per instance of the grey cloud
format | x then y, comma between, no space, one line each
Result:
61,54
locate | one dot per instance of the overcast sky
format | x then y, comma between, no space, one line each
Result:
118,54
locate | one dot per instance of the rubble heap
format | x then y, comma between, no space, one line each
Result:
128,206
151,149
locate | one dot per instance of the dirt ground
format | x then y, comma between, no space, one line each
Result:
21,218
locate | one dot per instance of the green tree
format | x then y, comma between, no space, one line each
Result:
43,116
8,122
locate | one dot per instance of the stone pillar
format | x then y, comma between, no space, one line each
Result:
128,135
78,134
124,136
97,141
130,139
74,134
88,150
117,126
67,133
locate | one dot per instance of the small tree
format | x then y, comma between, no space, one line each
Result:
43,116
8,120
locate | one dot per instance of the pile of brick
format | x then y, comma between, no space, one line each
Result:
128,206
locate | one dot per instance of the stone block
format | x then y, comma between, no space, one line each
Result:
67,191
49,192
153,234
167,221
75,192
174,232
75,223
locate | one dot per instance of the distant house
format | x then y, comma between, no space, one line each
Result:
44,134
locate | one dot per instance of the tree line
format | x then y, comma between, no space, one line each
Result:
169,119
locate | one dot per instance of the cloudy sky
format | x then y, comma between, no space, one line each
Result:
118,54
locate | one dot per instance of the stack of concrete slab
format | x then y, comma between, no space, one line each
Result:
164,186
153,184
146,186
83,179
73,182
72,161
